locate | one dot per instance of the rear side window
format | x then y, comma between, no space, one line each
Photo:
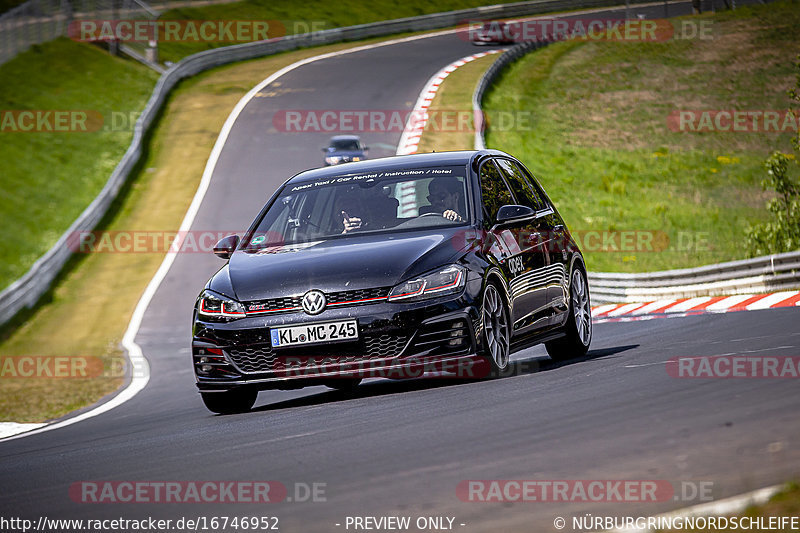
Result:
494,191
524,191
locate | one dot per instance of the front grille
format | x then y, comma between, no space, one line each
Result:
242,337
263,358
292,304
356,295
384,346
253,358
272,304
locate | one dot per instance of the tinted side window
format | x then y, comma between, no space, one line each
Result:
494,190
523,190
546,202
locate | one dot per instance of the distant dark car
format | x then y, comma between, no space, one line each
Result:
494,32
390,267
344,149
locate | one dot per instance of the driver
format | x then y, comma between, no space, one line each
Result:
444,194
375,207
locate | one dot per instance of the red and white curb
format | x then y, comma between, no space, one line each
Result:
409,140
692,306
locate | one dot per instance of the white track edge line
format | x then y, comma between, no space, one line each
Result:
136,357
432,86
140,369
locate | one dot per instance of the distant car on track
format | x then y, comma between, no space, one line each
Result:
492,32
390,267
344,149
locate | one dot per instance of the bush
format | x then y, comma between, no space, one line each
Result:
782,233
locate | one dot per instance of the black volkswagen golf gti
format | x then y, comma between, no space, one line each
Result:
398,267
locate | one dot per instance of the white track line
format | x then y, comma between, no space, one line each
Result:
8,429
415,126
140,369
140,374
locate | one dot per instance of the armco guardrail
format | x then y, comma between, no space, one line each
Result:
762,274
39,21
489,77
27,290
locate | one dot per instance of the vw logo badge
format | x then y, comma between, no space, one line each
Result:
314,302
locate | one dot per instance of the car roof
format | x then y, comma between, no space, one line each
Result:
345,138
464,157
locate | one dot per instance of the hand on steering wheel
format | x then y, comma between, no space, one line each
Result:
449,215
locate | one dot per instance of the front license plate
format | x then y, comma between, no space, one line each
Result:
314,333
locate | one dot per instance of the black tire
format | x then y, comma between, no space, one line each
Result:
230,402
343,384
578,328
496,330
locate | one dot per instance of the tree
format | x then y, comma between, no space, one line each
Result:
782,232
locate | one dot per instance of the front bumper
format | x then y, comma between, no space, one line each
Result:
395,341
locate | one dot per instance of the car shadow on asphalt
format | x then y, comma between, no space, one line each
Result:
385,387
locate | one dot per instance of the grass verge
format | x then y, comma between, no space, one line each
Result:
454,99
53,176
286,17
598,140
76,319
49,177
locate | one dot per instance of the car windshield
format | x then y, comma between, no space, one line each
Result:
347,144
351,204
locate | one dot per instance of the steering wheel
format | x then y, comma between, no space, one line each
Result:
430,214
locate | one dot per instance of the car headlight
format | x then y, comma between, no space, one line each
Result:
356,158
213,306
447,280
333,159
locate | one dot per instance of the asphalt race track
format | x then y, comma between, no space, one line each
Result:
402,447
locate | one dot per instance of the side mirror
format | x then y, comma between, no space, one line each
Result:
514,213
324,148
225,247
365,149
